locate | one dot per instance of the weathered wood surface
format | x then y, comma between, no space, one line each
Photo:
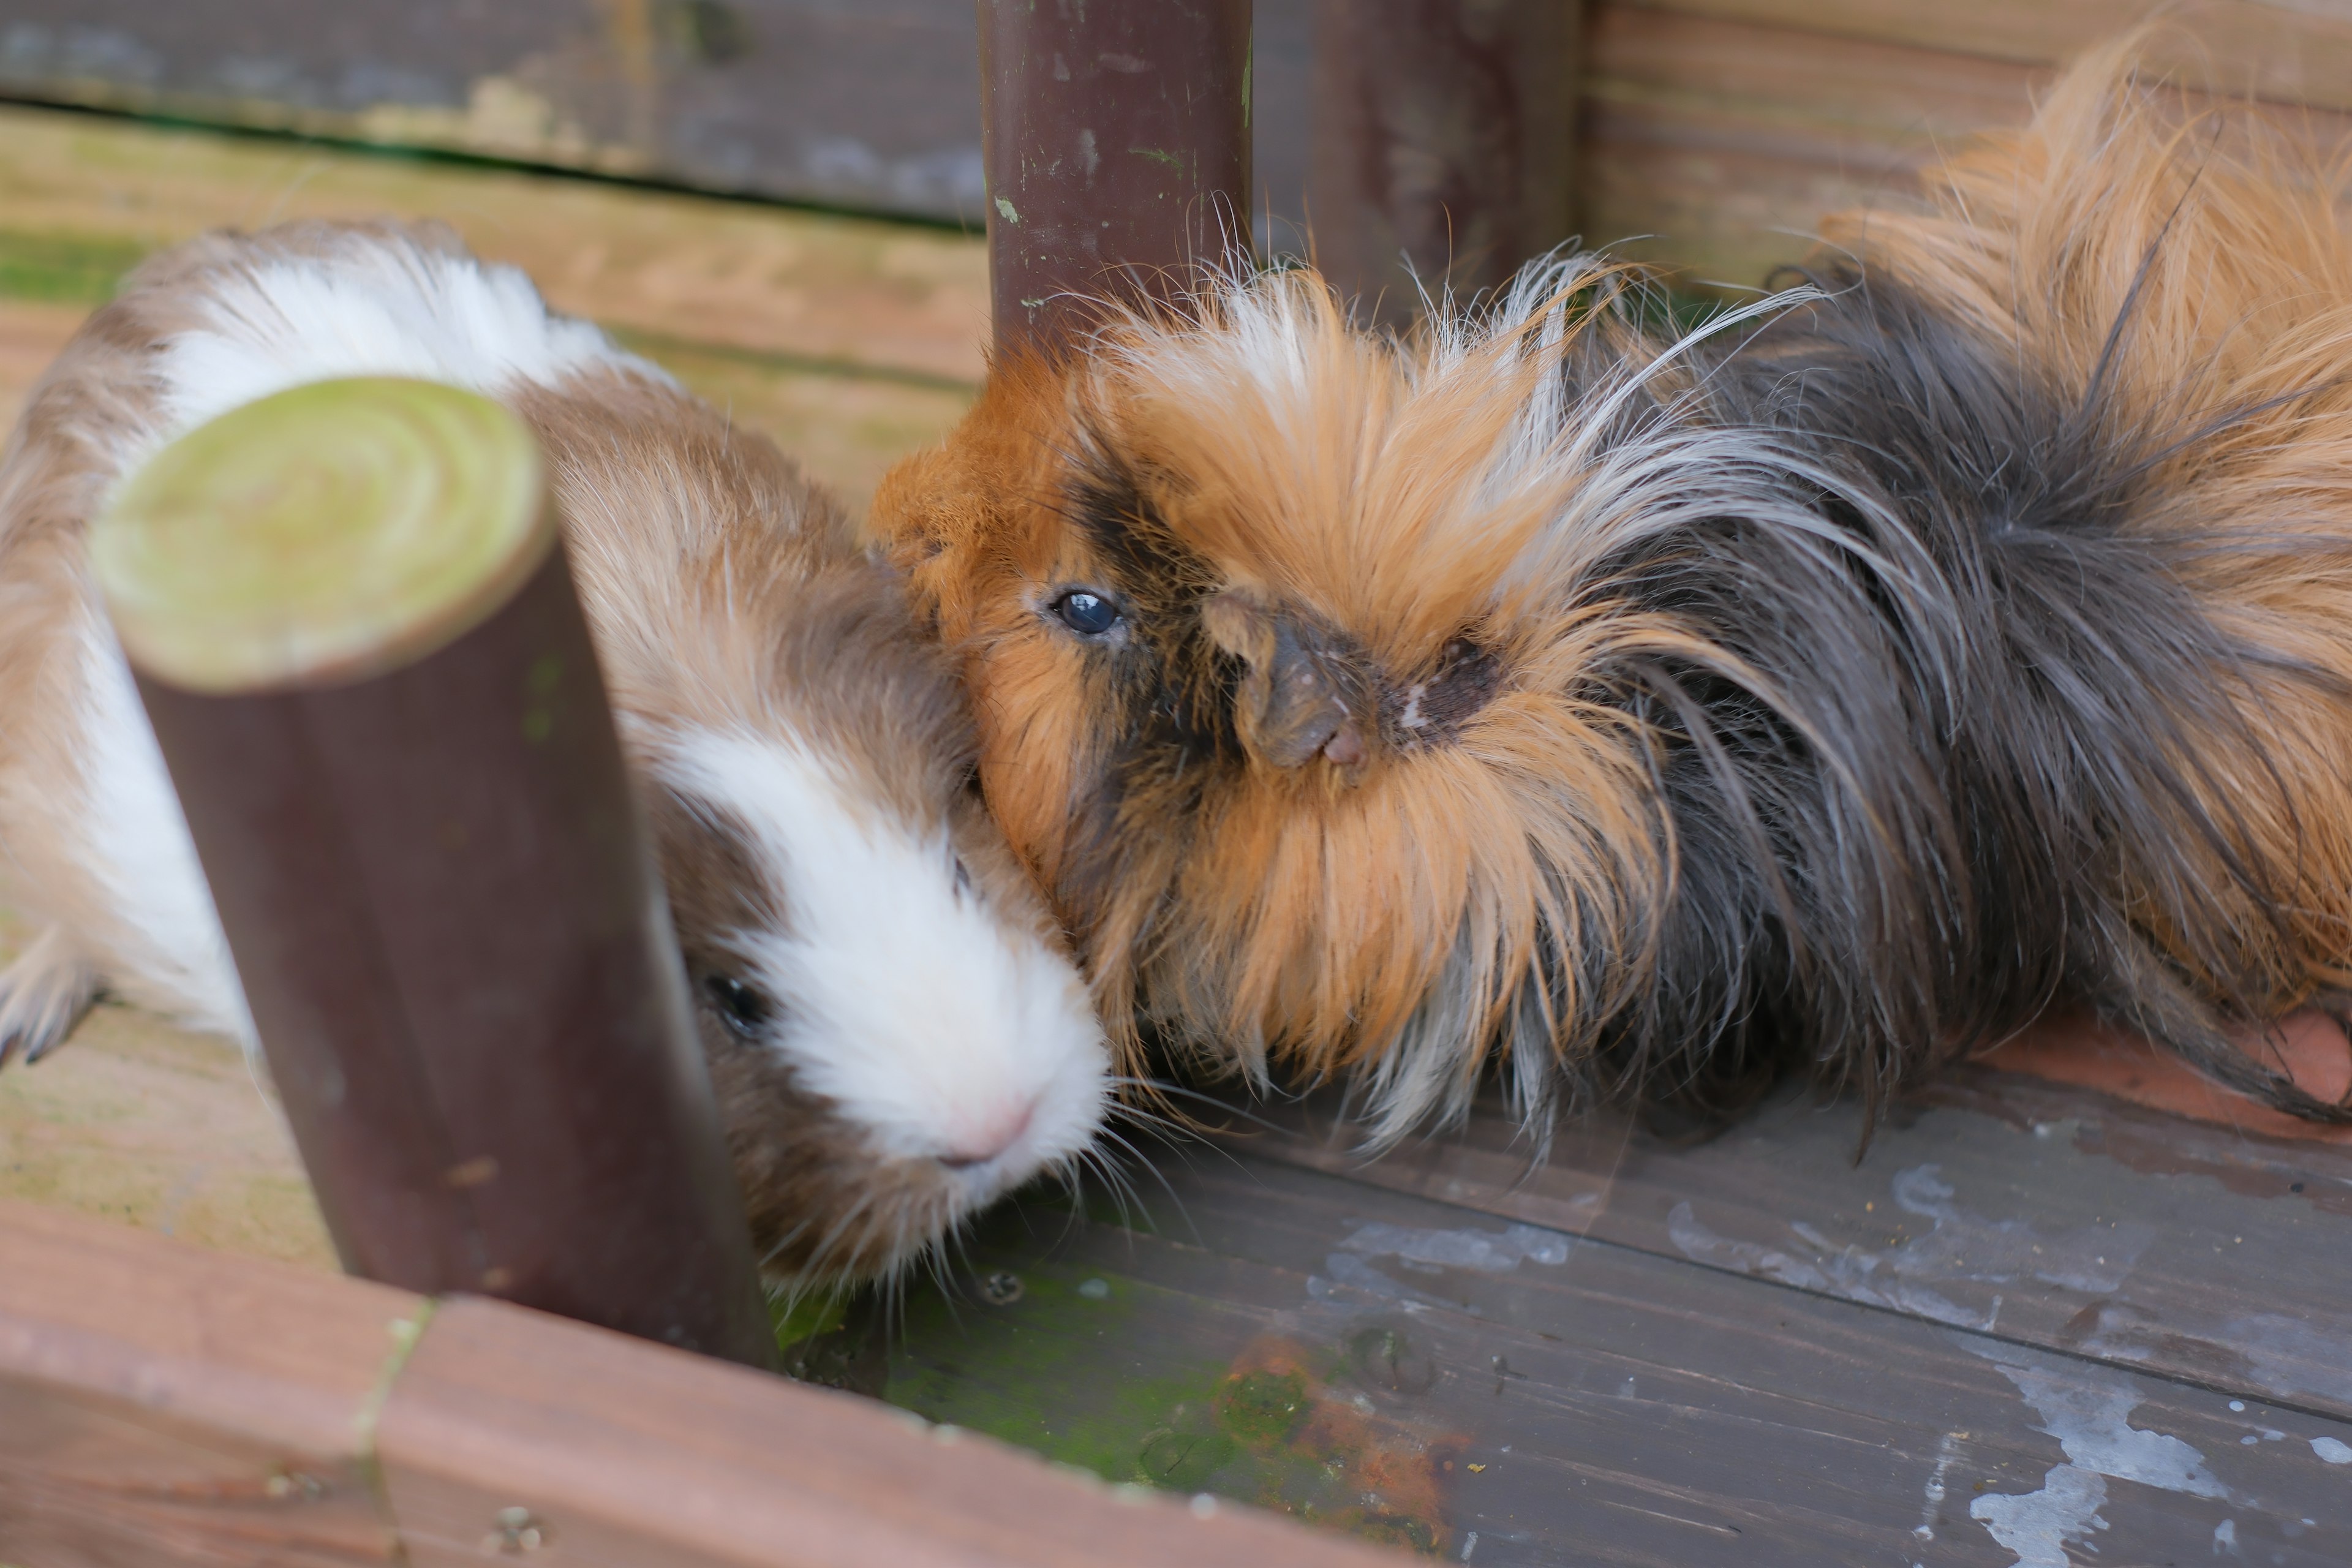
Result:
873,106
1504,1393
2290,51
1994,1202
1710,122
163,1404
160,1405
628,1454
1727,128
850,340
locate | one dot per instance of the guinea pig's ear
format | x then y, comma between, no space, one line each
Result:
914,510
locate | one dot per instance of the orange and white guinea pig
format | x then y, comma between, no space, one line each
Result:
1831,690
894,1029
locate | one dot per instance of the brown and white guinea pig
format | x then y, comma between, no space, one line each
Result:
894,1030
1549,688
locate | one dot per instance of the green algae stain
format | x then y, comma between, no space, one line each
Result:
802,1316
1055,1371
1131,1381
64,269
1262,1408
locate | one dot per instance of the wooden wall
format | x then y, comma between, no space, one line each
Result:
1708,122
1712,123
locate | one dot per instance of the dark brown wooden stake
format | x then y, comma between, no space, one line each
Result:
426,857
1116,140
1444,143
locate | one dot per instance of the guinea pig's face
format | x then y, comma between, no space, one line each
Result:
1236,605
894,1029
896,1035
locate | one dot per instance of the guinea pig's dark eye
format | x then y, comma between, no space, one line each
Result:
1086,613
743,1008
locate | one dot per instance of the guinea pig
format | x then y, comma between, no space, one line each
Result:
1548,688
894,1027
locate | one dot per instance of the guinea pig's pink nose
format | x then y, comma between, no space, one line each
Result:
977,1144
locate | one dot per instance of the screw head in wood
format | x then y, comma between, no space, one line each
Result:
518,1533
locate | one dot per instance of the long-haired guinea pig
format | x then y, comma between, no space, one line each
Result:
1549,689
894,1030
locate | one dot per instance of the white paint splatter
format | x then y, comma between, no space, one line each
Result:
2037,1525
1946,1453
1961,1246
2225,1538
1489,1252
1432,1252
2088,1409
1850,1272
2332,1451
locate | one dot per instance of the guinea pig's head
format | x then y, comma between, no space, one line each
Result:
1274,691
896,1030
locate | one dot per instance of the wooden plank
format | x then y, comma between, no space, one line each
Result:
873,106
148,1125
851,342
2292,51
1730,134
620,1453
1507,1395
163,1404
2058,1217
160,1405
81,199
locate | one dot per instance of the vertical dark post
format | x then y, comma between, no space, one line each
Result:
353,627
1444,143
1117,138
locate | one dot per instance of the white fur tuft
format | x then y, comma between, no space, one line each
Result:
178,955
376,307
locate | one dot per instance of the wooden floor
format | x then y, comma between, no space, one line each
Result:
2033,1325
2036,1324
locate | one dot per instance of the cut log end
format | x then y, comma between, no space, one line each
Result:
322,535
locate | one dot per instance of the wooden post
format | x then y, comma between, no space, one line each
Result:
353,625
1444,143
1115,136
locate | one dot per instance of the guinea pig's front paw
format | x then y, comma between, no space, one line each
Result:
43,995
